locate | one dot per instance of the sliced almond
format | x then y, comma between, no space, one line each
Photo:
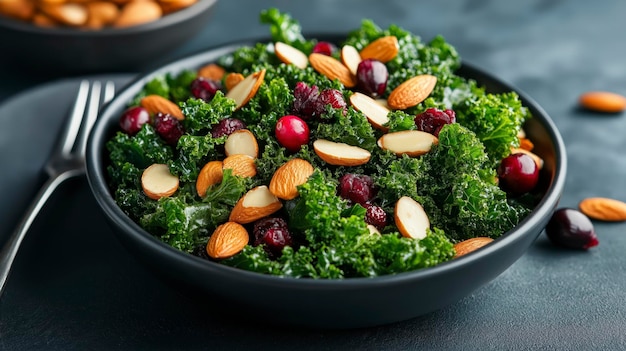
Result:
289,176
135,13
603,209
290,55
227,240
469,245
246,89
332,69
382,49
242,165
212,71
209,175
372,229
70,14
241,141
156,103
158,182
412,143
412,92
375,112
340,154
410,218
257,203
537,158
232,79
351,58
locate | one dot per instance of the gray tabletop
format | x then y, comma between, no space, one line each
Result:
549,299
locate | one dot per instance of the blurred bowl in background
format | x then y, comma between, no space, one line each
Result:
67,50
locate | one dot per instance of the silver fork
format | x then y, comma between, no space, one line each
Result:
67,161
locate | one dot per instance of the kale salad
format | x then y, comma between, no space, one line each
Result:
304,158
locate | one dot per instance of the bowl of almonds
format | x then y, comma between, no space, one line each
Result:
88,36
336,182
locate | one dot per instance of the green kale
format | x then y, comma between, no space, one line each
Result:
134,202
140,150
352,128
192,153
228,191
285,29
243,59
400,120
175,87
399,179
201,115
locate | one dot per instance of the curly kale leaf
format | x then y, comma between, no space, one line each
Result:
140,150
352,128
193,152
175,87
496,120
399,179
400,120
201,115
245,58
229,190
285,29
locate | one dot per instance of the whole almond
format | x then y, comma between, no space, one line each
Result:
332,69
246,89
209,175
526,144
241,165
232,79
101,13
412,92
158,182
382,49
156,103
138,12
227,240
469,245
212,71
170,6
603,101
20,9
603,209
289,176
70,14
43,20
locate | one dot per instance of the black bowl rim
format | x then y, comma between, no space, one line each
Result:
99,187
168,20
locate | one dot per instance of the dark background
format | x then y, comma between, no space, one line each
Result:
75,287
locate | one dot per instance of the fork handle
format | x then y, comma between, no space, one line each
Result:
12,246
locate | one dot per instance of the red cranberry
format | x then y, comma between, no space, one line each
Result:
292,132
204,89
376,216
168,128
518,174
324,47
372,76
332,97
133,119
273,233
305,100
432,120
226,127
572,229
357,188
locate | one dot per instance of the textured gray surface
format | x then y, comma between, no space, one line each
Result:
550,299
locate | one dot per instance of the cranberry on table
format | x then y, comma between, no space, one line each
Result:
133,119
433,119
292,132
372,76
168,128
204,89
324,47
226,127
572,229
273,233
518,174
356,188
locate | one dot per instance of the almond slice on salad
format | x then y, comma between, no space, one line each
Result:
351,58
156,103
332,69
411,219
241,165
411,92
246,89
340,154
290,55
227,240
375,112
158,182
289,176
469,245
232,79
383,49
212,71
412,143
209,175
257,203
241,141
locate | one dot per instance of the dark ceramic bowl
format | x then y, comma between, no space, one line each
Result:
69,50
348,303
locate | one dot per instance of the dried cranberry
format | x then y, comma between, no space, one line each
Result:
324,47
372,76
204,89
168,128
332,97
376,216
292,132
226,127
572,229
305,100
432,120
273,233
133,119
518,174
357,188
